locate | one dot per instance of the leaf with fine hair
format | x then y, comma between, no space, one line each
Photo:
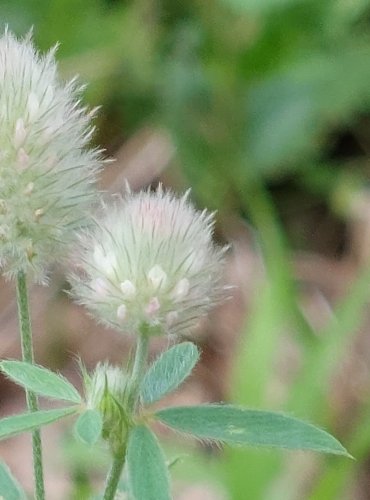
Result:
147,470
10,426
40,380
168,371
234,425
10,489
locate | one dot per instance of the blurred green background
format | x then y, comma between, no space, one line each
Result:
267,106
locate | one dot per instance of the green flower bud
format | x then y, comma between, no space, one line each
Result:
106,391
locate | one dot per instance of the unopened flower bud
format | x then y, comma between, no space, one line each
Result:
105,379
105,391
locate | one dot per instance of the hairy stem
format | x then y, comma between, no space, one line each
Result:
114,475
137,374
138,368
27,355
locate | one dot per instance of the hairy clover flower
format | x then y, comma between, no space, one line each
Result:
46,169
149,264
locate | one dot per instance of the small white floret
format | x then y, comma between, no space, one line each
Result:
152,307
39,212
157,277
23,159
20,133
100,287
181,289
29,188
128,289
122,312
105,261
33,106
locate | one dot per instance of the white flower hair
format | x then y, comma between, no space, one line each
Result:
149,264
46,168
105,379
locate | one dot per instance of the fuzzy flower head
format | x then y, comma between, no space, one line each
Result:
46,168
150,265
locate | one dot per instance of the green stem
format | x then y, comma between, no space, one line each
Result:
137,374
27,355
114,475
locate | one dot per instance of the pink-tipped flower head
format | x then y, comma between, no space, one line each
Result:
149,264
46,167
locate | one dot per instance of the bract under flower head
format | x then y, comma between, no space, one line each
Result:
149,264
46,169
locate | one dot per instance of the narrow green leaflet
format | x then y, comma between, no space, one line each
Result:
40,380
89,426
235,425
9,487
10,426
147,470
168,371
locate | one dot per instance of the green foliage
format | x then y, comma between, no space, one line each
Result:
148,474
234,425
10,426
307,393
168,371
9,487
40,380
256,5
265,94
253,93
308,390
89,426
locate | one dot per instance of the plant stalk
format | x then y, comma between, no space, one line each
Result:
137,374
27,355
115,475
138,368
